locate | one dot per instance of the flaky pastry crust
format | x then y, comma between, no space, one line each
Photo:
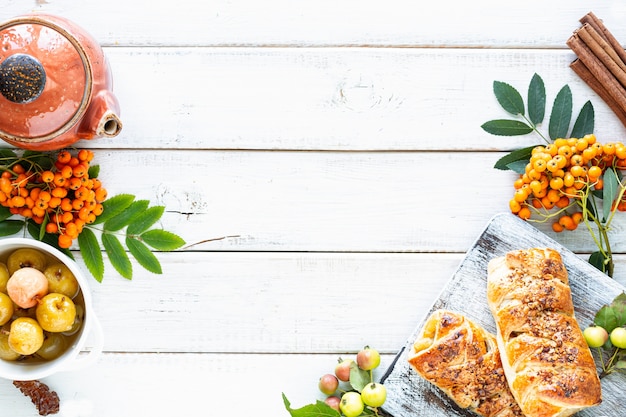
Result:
546,360
462,359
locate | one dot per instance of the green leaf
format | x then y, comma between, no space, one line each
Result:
605,317
536,100
509,98
144,255
10,227
5,213
130,214
358,377
609,191
114,206
162,240
505,127
319,409
598,260
94,171
117,255
619,309
7,154
584,123
145,220
92,256
522,154
561,114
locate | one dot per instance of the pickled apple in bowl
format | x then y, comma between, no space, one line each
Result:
41,306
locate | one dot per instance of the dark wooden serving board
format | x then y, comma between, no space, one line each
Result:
408,395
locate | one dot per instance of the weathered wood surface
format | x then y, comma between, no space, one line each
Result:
466,293
340,142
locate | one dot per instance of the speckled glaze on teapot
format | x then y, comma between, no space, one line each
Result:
55,84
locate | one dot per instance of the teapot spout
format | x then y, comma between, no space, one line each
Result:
102,117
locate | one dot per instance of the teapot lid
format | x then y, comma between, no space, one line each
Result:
44,80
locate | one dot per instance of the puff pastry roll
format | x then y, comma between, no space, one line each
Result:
462,359
547,363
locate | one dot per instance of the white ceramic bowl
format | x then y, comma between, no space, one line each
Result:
89,338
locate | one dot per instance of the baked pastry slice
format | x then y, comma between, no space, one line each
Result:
548,365
462,359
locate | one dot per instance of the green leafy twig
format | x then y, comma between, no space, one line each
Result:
587,199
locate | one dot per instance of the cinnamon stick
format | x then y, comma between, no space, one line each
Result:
603,51
591,19
598,69
583,72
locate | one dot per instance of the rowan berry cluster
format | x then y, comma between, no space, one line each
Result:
559,175
62,197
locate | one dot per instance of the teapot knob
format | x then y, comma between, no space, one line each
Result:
22,78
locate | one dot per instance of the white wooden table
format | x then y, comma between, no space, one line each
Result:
340,141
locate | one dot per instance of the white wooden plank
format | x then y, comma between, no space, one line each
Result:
269,302
324,201
330,98
272,302
327,22
184,384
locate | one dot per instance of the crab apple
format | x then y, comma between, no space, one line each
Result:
368,358
27,286
351,404
618,337
374,394
342,370
595,336
328,384
333,402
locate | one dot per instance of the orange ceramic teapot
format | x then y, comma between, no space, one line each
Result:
55,84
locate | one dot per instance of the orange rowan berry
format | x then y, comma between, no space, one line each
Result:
74,183
29,202
82,193
71,230
514,206
85,155
567,222
77,204
52,227
582,144
609,148
54,202
566,151
80,224
64,241
552,165
576,170
59,192
101,194
560,142
83,213
577,160
524,213
534,175
91,218
64,157
79,170
551,149
556,226
591,138
59,179
594,172
620,150
66,171
520,195
97,183
99,208
66,204
41,204
556,183
589,154
73,161
563,202
553,195
536,203
621,206
535,187
38,212
47,176
18,169
577,217
26,212
18,201
568,179
599,184
539,165
561,161
547,203
67,217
